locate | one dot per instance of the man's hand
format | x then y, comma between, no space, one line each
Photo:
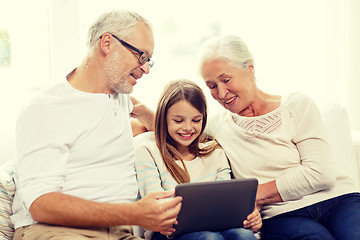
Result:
143,114
157,213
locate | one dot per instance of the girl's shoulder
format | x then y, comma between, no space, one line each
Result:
145,139
214,151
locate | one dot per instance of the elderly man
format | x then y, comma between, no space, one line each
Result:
75,174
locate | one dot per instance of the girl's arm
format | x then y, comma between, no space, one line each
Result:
253,221
147,172
223,172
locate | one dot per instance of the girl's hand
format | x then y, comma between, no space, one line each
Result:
253,221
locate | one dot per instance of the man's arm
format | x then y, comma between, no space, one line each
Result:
61,209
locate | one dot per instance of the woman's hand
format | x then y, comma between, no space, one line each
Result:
143,114
253,221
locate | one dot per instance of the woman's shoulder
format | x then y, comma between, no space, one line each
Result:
296,99
298,102
301,107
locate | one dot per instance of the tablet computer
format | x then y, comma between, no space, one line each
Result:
215,206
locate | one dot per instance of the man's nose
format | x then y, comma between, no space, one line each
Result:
145,68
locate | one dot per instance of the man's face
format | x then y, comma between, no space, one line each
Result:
123,67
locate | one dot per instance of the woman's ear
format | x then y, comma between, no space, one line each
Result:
251,70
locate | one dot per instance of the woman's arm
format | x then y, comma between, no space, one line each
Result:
144,117
267,193
315,170
137,127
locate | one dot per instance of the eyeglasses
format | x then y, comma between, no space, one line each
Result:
143,56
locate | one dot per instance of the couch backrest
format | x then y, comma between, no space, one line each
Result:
336,119
7,143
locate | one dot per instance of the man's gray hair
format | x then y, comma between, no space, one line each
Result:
117,22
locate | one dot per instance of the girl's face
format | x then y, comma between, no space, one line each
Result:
184,123
232,87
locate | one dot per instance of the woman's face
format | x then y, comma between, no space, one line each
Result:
184,123
232,87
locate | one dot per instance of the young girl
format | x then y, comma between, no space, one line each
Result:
176,153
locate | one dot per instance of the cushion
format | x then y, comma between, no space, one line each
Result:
7,143
336,120
7,191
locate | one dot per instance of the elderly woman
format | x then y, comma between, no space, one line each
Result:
281,141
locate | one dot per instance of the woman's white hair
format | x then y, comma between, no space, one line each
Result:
230,48
117,22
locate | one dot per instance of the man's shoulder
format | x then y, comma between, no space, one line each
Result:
47,92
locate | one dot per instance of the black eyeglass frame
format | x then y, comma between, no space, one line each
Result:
143,56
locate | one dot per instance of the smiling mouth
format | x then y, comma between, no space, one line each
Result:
185,135
134,76
230,100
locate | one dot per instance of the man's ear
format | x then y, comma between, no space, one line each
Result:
105,43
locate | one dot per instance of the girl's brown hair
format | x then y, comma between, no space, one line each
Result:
174,92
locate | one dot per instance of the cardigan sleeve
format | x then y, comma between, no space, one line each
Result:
316,170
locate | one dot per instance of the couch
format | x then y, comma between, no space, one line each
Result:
345,149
